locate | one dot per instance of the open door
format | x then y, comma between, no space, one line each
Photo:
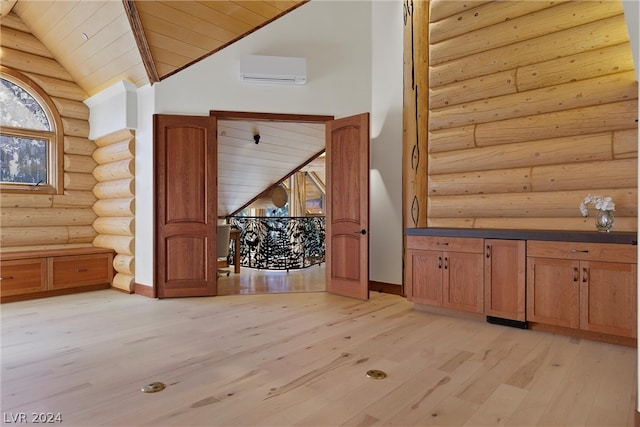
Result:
347,221
186,205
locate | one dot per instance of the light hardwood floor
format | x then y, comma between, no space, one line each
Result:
253,281
299,359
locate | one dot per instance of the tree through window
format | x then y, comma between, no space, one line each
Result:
28,141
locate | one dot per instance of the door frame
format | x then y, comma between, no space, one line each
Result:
257,116
267,117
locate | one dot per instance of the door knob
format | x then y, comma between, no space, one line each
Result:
363,232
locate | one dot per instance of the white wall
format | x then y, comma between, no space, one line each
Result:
632,17
113,109
386,143
336,38
144,187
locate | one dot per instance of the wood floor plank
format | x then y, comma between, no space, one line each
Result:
498,407
299,359
542,388
611,405
574,397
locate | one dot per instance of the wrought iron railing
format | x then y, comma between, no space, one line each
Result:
280,243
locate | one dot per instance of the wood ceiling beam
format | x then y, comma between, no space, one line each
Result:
6,6
318,182
141,40
268,189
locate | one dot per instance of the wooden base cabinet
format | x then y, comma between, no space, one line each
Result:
505,279
608,298
445,272
587,286
553,292
37,274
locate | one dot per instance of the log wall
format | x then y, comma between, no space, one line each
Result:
41,221
531,106
115,206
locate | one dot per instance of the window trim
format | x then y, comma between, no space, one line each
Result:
55,137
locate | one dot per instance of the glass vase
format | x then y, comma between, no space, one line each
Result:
604,220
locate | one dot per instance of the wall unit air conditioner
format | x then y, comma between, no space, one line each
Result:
273,69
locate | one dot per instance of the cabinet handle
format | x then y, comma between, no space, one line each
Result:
82,270
488,251
585,275
446,262
575,274
6,278
439,262
573,251
442,244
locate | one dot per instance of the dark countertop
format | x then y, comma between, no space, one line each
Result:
627,238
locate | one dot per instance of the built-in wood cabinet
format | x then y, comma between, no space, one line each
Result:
587,286
577,283
553,292
445,272
23,276
504,279
36,274
608,298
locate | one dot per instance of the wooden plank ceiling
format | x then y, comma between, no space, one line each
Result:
244,166
101,42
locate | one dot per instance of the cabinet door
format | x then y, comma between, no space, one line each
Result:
23,276
424,277
553,291
504,279
608,298
463,287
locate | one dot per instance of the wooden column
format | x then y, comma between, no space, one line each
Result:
415,113
298,202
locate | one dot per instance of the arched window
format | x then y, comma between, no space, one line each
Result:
30,137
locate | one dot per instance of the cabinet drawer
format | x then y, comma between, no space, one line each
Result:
608,252
452,244
80,270
23,276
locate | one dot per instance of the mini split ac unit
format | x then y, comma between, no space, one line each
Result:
273,69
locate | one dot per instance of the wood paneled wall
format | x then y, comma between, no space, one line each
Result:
115,207
40,221
531,106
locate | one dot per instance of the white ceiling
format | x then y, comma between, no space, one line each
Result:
246,169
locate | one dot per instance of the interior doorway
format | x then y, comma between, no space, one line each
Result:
288,142
186,169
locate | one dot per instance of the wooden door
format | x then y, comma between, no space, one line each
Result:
463,282
424,277
504,279
347,235
186,205
608,297
553,291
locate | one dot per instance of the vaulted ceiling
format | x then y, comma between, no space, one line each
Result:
101,42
